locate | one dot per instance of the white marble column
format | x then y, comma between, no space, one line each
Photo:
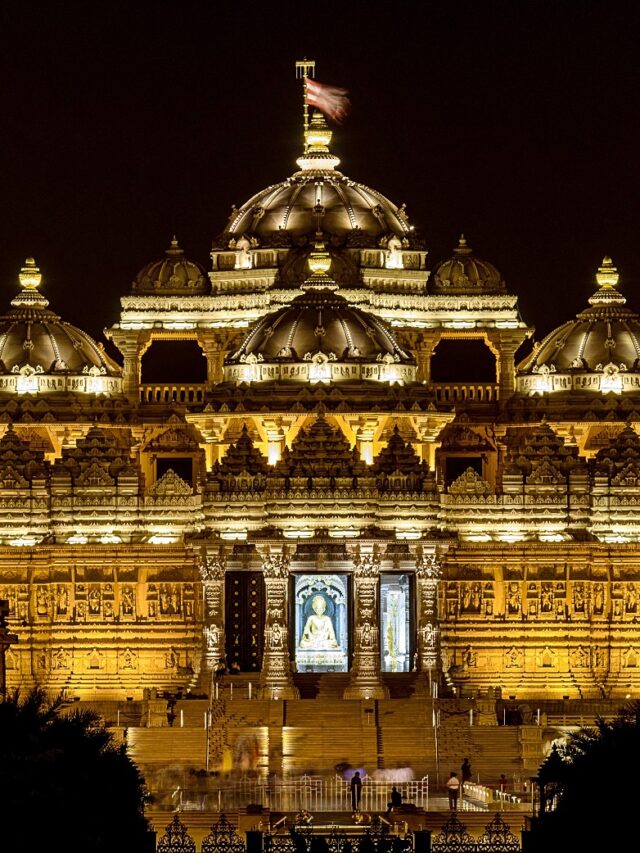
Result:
366,679
276,677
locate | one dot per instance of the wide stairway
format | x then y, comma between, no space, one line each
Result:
316,736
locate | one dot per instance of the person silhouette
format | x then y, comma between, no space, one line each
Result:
395,800
356,791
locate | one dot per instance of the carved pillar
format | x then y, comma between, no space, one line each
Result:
212,567
214,344
366,680
428,574
422,344
506,343
276,679
132,345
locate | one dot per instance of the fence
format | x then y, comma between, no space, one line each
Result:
452,838
313,793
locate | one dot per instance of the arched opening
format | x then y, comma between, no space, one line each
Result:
174,361
460,360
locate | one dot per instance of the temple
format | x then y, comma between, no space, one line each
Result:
324,510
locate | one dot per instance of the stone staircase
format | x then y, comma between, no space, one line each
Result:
296,737
321,734
168,746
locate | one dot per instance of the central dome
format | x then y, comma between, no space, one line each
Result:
317,197
319,337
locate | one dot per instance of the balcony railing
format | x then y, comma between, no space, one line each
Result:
172,392
459,392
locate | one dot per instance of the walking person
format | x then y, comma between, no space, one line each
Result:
465,773
453,789
356,791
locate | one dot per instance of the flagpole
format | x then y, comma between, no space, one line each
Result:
305,68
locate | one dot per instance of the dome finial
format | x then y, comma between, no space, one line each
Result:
30,276
174,247
607,278
319,262
317,138
462,248
607,275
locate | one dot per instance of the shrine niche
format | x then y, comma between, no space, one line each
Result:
321,623
395,623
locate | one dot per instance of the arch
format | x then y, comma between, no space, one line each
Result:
174,361
457,359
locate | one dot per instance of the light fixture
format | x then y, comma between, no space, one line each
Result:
23,541
298,533
162,539
233,535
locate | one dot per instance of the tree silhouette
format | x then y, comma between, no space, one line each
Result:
63,783
592,781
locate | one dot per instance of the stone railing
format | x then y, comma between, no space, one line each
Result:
456,392
172,392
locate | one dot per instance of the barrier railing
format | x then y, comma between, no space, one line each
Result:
172,392
312,793
456,392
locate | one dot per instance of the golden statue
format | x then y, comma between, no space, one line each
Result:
318,632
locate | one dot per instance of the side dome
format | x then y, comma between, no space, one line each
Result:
464,273
42,354
173,275
319,337
317,197
599,351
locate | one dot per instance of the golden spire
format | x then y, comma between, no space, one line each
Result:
319,262
607,275
462,248
30,279
317,155
30,276
174,248
607,279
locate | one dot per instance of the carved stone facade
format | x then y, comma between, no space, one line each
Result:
500,519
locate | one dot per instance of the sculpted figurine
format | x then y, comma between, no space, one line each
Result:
318,632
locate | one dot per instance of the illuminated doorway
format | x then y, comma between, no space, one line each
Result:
321,623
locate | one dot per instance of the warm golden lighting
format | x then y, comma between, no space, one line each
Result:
607,275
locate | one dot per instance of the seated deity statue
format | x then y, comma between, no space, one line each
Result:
318,632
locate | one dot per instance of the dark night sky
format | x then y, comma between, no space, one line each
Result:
515,122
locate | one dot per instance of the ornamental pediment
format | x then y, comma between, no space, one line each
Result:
95,475
470,483
170,484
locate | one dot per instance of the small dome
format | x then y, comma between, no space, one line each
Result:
319,337
464,273
40,353
315,197
598,351
173,275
